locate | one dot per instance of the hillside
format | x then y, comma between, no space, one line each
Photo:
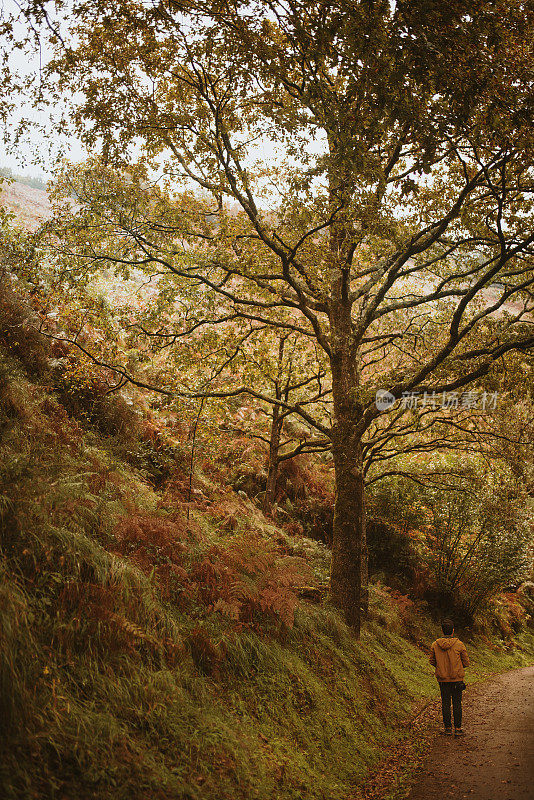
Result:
31,206
153,642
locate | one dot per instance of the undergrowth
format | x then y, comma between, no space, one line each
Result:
148,652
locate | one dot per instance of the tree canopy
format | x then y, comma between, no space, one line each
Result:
357,173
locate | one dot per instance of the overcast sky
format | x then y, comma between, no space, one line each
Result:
41,146
34,155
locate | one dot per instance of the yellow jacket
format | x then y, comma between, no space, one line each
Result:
449,656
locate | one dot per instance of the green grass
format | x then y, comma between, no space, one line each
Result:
114,692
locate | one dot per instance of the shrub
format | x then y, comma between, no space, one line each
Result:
477,548
525,596
246,581
157,459
390,552
84,391
317,519
159,546
19,332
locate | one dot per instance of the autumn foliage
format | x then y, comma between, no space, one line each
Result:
244,579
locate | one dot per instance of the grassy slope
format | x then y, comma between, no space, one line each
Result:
110,689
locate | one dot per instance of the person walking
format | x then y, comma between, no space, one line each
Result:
449,656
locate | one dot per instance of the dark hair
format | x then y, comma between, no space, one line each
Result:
447,626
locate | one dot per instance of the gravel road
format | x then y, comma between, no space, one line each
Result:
495,760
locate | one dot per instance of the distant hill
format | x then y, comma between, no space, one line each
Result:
28,180
31,205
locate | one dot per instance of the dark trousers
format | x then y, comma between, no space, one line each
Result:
451,691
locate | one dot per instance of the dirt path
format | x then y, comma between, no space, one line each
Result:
495,760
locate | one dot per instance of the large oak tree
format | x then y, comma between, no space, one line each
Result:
379,156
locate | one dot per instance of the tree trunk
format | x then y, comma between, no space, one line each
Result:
348,545
349,524
272,467
277,423
349,560
364,600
